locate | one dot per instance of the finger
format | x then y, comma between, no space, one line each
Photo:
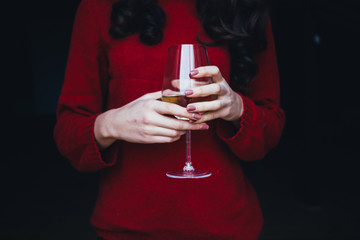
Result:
206,90
176,83
206,106
207,71
174,89
161,139
182,125
165,108
175,124
208,116
153,130
153,95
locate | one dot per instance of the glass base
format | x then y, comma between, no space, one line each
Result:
189,174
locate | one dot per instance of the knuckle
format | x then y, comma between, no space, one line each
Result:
217,88
169,108
147,139
199,91
149,104
210,116
218,105
177,126
173,134
228,92
145,131
216,70
145,119
227,104
200,108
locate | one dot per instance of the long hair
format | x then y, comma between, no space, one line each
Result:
240,24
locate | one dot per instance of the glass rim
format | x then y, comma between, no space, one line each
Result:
187,44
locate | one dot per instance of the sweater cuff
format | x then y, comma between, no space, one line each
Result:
95,159
228,133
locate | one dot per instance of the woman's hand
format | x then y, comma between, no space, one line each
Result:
228,105
145,120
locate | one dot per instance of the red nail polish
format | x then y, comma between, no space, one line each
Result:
197,116
194,72
190,108
189,92
204,126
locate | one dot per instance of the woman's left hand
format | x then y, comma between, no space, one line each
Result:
228,105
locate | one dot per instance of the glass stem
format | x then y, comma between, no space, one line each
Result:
188,165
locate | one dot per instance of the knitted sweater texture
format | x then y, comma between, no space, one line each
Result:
136,200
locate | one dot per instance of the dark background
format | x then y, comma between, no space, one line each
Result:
308,186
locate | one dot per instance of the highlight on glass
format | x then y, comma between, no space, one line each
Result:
182,59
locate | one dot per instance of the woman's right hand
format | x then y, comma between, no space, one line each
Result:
144,120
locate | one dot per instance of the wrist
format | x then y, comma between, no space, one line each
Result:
241,105
102,130
240,112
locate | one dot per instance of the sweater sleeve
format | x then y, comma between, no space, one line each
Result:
83,92
263,120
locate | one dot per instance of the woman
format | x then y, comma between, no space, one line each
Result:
110,118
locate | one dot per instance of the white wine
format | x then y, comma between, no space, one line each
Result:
181,100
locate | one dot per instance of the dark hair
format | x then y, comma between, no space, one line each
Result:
240,24
143,16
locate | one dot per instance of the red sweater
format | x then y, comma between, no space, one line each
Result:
136,200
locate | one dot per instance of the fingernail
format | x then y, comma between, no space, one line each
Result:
191,121
189,92
190,108
197,116
204,126
194,72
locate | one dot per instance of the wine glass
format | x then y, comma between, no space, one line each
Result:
183,58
